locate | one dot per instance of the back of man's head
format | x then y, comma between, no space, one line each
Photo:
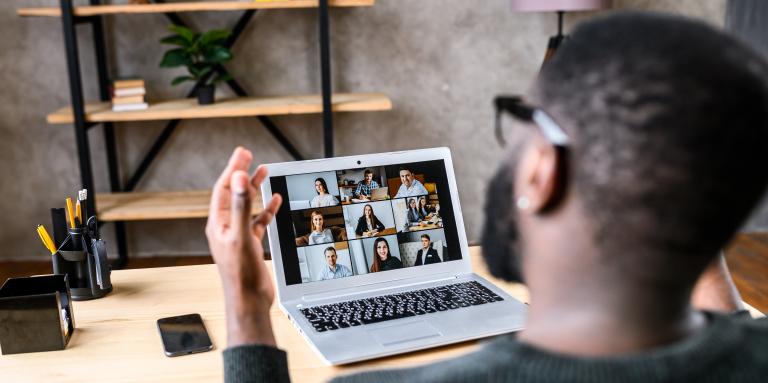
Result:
669,125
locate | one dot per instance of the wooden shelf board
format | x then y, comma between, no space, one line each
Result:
188,108
138,206
196,6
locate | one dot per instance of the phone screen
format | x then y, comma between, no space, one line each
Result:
184,334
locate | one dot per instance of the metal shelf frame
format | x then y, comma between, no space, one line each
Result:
69,24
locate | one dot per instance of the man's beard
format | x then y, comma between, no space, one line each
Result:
500,237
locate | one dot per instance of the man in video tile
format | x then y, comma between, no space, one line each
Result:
363,190
431,254
333,269
411,187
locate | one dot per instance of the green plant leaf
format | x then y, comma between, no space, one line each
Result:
175,58
180,79
182,31
214,36
199,70
222,77
217,54
175,40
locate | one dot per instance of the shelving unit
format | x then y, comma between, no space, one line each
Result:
142,206
187,108
190,6
123,204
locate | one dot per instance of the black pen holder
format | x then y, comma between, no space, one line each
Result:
84,260
35,314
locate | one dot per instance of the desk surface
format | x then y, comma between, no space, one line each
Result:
117,340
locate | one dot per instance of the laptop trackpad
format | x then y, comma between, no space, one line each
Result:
405,332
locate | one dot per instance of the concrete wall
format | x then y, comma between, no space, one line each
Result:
441,62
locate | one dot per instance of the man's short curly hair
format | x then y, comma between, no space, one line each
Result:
669,125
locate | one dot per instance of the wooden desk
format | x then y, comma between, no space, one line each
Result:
390,231
117,341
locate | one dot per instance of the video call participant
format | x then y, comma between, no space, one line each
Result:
368,222
319,234
411,187
363,190
332,269
382,259
427,252
414,216
323,198
425,209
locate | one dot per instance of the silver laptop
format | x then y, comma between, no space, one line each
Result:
402,289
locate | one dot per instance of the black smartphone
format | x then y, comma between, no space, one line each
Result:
183,335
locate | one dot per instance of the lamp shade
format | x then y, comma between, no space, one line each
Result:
558,5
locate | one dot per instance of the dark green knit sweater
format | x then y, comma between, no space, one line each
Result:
731,349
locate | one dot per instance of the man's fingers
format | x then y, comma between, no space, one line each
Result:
241,202
240,160
258,176
262,220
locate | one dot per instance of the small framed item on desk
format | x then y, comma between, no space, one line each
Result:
36,314
185,334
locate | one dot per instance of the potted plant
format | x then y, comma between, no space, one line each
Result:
199,53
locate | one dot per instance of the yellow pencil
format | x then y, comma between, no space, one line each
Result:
79,212
70,213
46,239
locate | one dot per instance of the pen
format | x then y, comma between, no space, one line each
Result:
70,213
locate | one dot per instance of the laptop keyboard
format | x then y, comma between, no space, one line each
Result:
396,306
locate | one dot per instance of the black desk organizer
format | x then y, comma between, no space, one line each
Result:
82,255
35,314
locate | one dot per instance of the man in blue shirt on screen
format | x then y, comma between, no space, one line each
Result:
333,270
411,187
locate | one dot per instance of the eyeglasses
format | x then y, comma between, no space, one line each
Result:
519,109
551,131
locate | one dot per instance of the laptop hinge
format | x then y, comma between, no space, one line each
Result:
362,290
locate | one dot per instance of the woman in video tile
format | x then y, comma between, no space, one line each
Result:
382,259
368,223
323,198
319,233
414,216
424,208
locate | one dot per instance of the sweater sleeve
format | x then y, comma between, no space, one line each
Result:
255,363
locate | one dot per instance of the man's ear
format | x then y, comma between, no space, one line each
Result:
540,180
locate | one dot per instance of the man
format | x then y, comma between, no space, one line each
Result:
647,155
363,190
429,254
333,270
411,187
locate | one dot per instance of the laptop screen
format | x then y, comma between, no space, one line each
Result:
351,222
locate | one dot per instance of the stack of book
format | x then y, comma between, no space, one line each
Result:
128,94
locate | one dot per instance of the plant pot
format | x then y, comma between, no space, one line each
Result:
205,94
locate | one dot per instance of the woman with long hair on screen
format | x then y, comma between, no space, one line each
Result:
323,198
425,209
382,258
368,223
319,233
